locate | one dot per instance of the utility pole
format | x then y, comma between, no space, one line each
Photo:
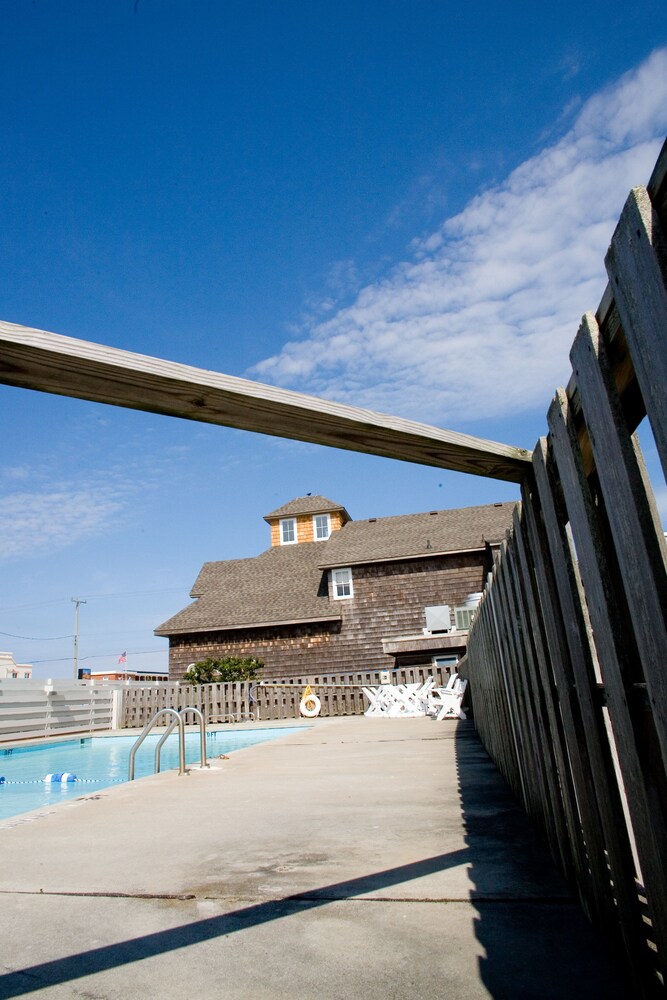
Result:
77,601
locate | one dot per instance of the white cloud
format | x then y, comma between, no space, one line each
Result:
38,523
16,472
479,322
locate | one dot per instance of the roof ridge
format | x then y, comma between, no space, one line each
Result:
311,503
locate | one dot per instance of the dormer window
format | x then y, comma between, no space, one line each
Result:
288,531
321,527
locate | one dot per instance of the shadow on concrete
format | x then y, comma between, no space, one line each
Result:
535,937
96,960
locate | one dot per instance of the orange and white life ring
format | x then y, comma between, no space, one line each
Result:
310,706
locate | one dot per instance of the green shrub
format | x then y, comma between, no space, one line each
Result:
225,669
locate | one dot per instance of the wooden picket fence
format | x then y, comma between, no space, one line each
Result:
567,657
265,700
217,702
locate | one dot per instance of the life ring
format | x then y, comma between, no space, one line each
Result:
310,706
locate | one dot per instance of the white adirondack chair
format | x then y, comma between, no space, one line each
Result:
445,702
399,700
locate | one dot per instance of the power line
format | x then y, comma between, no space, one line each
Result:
37,638
39,604
102,656
122,593
137,593
88,636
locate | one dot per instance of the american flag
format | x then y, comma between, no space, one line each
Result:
122,658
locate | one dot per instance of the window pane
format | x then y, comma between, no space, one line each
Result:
342,581
288,530
322,529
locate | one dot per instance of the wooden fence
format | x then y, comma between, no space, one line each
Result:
340,694
567,657
30,708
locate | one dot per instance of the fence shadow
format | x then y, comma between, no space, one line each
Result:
534,936
96,960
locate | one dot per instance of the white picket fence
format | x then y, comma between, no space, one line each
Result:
30,708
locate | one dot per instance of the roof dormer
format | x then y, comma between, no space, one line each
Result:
305,519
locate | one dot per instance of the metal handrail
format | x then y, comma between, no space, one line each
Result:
168,731
202,735
147,728
178,720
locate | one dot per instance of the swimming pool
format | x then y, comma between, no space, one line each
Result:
97,762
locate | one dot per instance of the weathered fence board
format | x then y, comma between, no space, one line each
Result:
616,874
632,513
594,870
560,804
618,658
636,264
545,817
567,654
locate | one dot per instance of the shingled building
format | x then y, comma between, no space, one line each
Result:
332,594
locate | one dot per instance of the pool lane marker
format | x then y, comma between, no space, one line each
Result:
64,778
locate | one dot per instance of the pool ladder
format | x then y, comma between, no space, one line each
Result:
178,720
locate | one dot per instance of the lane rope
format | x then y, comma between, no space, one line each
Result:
45,780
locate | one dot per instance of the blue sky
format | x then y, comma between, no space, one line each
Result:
399,205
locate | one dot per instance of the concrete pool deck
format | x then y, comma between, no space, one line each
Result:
372,858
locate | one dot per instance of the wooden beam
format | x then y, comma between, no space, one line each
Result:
48,362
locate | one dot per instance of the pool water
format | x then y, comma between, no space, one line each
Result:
98,762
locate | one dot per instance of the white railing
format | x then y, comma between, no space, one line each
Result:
30,708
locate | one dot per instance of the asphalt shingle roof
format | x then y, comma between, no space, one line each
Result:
410,536
288,583
283,584
305,505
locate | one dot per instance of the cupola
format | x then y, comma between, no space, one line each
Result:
305,519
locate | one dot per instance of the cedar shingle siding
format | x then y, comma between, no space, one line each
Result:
279,606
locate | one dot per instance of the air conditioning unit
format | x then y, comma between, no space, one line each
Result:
463,618
438,618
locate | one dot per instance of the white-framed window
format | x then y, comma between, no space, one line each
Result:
288,531
321,527
342,583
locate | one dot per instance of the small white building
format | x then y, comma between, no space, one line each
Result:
8,668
